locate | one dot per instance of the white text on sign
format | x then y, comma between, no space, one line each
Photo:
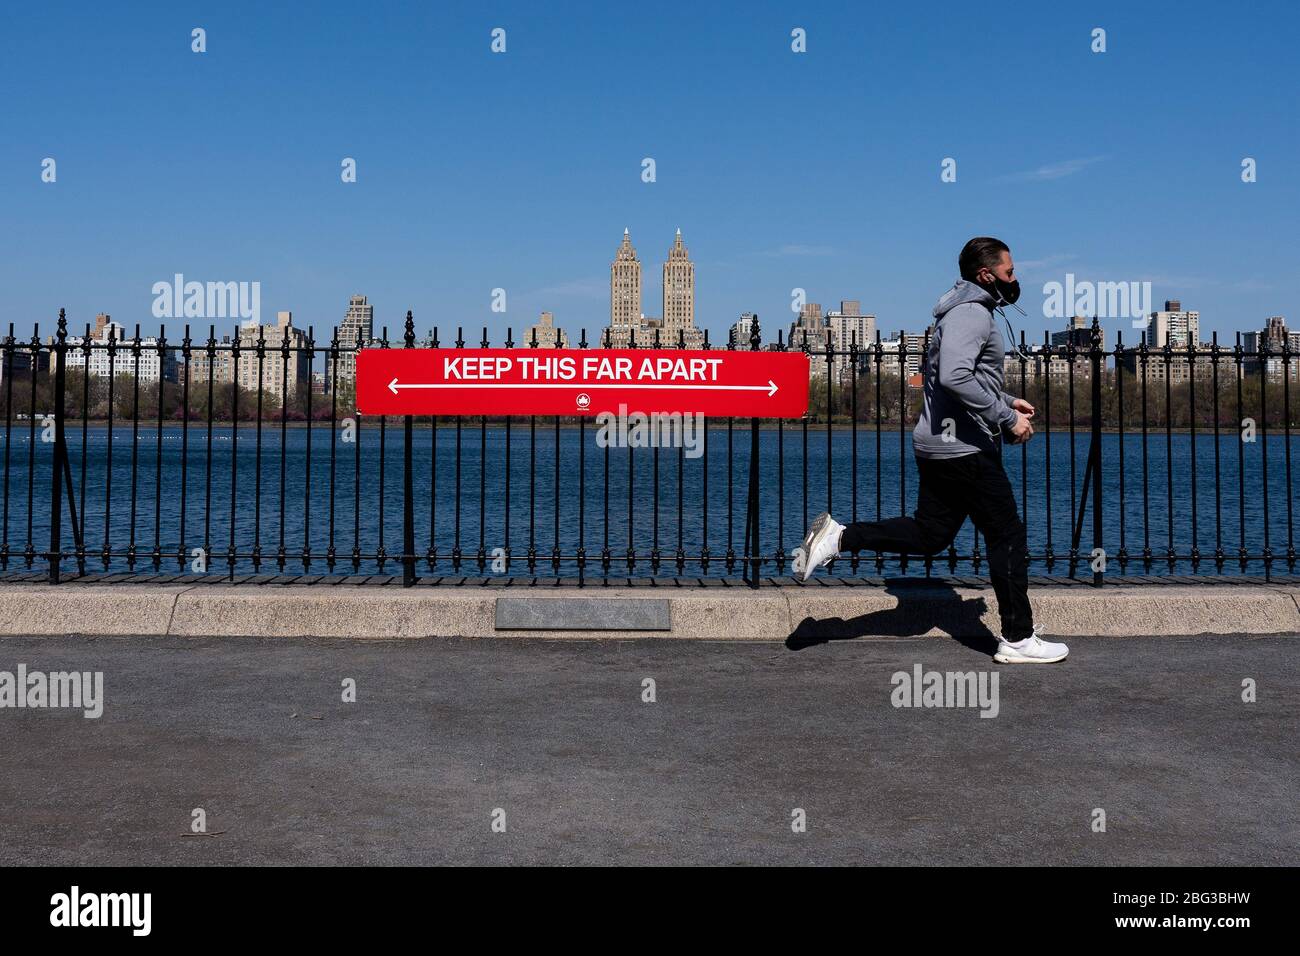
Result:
489,368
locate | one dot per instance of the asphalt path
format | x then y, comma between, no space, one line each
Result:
550,752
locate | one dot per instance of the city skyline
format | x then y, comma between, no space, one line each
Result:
626,292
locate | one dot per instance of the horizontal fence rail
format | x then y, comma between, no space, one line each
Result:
143,456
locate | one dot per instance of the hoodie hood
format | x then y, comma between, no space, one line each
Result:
964,291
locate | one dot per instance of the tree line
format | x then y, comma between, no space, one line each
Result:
898,401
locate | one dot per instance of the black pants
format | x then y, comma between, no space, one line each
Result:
953,489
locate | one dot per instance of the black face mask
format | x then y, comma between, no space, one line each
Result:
1007,292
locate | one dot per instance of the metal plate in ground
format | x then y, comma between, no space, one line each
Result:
582,614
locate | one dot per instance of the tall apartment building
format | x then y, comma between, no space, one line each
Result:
742,329
903,354
1077,332
628,324
837,330
217,363
276,376
848,325
356,331
809,328
548,335
1173,326
1055,362
1178,328
1051,362
19,363
624,290
679,298
1273,337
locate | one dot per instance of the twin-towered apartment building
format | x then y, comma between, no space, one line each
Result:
628,325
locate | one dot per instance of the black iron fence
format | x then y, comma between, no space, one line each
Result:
126,456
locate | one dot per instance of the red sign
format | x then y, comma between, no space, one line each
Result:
528,381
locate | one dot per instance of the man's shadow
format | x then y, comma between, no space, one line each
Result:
922,605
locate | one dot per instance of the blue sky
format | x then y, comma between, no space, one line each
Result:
520,170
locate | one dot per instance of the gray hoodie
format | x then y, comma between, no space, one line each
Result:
965,408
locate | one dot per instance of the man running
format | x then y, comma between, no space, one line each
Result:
958,447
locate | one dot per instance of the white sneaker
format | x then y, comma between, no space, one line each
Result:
1032,650
820,545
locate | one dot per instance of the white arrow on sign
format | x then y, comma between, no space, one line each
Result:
770,387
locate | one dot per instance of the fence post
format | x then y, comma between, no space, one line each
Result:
56,465
1098,366
752,546
408,481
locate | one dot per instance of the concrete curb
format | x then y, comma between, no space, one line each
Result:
767,614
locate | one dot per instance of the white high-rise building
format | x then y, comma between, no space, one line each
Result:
1174,327
144,362
742,329
356,331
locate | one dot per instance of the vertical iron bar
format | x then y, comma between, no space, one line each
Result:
56,469
257,457
1191,461
185,441
332,362
158,450
234,446
381,551
280,555
9,426
880,558
482,482
433,480
1241,460
1167,352
135,440
1264,348
1218,490
1098,577
408,477
582,483
307,488
1119,405
1145,356
106,553
704,521
207,483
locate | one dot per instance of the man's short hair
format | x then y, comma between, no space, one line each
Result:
982,252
